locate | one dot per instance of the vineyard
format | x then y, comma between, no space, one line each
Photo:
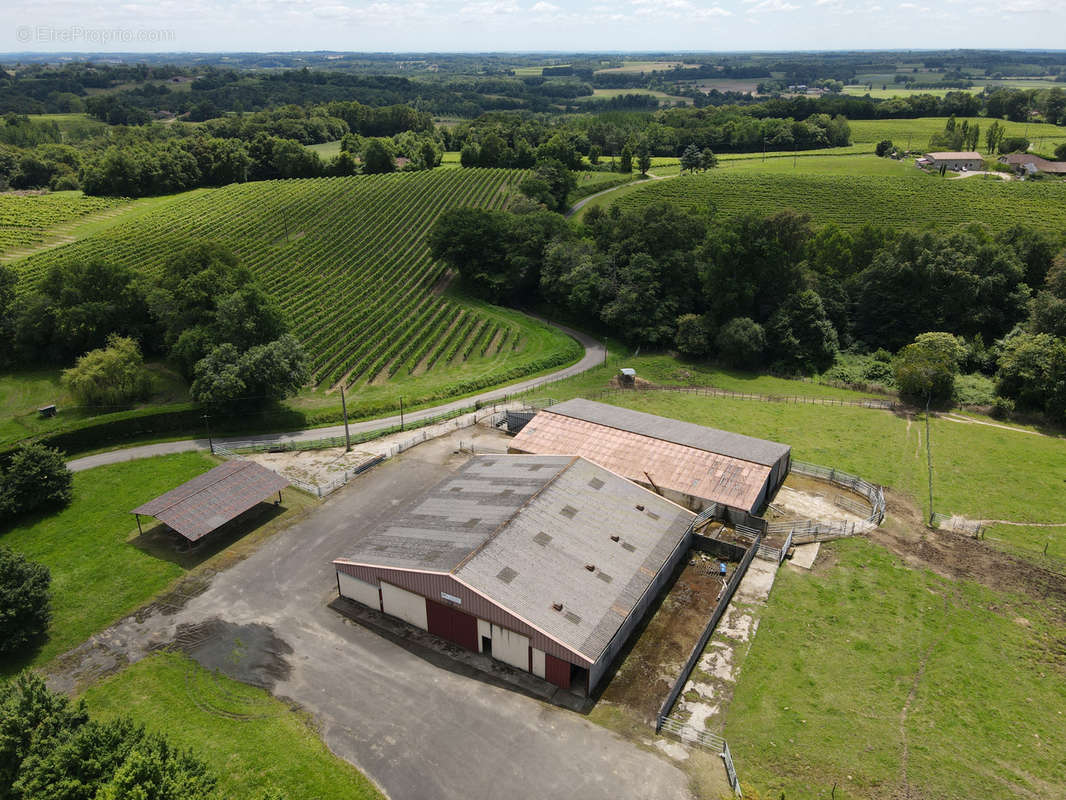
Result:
347,260
27,219
851,201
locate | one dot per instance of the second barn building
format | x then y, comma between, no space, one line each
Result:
547,563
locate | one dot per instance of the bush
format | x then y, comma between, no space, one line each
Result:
25,601
1003,408
884,148
741,343
36,478
110,376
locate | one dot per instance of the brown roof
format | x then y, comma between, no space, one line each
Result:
1042,164
209,501
680,467
956,156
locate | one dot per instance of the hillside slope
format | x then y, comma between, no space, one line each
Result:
348,261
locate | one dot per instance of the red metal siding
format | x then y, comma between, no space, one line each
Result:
430,585
556,671
452,624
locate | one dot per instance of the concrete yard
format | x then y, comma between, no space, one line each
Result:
418,726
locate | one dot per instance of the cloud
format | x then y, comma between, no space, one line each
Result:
769,6
544,8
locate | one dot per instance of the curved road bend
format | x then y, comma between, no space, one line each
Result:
594,356
584,201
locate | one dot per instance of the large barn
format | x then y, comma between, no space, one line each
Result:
690,464
547,563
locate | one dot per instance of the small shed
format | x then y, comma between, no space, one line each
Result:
209,501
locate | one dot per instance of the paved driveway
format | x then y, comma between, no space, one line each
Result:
421,731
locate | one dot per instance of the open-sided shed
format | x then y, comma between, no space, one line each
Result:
209,501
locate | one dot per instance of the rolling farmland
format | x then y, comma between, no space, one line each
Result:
851,201
347,260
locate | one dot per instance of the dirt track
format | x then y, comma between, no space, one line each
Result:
961,557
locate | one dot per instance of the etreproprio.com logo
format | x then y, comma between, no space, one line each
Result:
76,34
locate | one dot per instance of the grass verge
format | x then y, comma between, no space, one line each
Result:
102,569
252,742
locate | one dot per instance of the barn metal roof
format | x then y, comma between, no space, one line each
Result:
700,462
564,513
700,437
209,501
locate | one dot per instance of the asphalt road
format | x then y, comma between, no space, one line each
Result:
595,353
417,728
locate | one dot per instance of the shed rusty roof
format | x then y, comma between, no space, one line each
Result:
692,459
209,501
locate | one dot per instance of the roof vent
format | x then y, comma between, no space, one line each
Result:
590,567
640,508
615,538
557,606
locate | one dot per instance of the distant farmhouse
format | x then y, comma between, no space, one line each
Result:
1026,164
956,162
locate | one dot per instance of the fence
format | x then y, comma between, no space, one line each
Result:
875,495
949,522
711,391
440,426
716,616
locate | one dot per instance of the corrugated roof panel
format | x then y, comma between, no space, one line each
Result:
669,465
209,501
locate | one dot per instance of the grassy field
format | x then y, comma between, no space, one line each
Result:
347,260
326,150
252,742
74,127
877,681
101,568
918,131
24,391
27,220
640,66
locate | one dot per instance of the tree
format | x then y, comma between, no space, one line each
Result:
801,335
1014,144
692,335
925,369
37,477
377,158
1032,370
690,159
26,601
643,158
552,175
110,376
708,160
1060,152
595,152
884,148
995,134
268,371
625,161
741,343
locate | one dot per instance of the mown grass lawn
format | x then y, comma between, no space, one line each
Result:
252,742
101,568
842,652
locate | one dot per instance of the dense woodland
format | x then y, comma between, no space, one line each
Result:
776,293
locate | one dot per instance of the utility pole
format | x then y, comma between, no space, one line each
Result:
210,441
929,452
401,412
347,436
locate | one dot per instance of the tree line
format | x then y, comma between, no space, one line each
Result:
775,292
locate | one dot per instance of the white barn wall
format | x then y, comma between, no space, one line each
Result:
408,606
538,662
510,647
360,591
483,629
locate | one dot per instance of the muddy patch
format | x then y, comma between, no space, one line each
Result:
250,653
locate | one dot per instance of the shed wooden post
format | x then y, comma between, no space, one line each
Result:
139,531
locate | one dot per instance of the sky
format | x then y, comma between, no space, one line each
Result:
525,25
